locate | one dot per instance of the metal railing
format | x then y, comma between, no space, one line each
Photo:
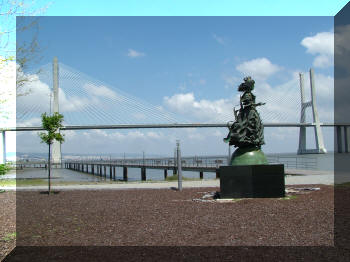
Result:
294,162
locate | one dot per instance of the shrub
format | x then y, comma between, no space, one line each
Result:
4,168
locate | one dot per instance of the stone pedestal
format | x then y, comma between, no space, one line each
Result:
252,181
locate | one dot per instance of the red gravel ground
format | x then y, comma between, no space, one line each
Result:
157,219
167,217
7,222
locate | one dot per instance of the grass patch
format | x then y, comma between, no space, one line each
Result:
9,237
8,182
31,182
346,184
176,177
289,197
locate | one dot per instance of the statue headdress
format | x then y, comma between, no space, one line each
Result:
248,84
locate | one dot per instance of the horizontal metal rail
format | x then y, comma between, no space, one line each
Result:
193,125
190,163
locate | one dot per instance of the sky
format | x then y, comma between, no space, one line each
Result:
190,67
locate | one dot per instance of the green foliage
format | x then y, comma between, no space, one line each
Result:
9,237
289,197
51,124
4,168
176,177
346,184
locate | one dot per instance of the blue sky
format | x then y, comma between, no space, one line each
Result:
187,63
175,49
196,7
191,66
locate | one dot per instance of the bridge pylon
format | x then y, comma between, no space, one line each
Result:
56,146
3,148
320,148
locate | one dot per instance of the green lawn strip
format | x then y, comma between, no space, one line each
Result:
346,184
9,237
288,197
8,182
175,178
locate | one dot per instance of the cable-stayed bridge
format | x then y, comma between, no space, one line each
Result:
88,103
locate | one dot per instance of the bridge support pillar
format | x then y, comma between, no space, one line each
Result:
217,173
3,148
125,173
201,174
343,139
56,146
114,173
143,173
165,173
347,138
317,127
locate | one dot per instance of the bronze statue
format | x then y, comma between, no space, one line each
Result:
247,132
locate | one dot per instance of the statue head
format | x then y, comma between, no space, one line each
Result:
248,84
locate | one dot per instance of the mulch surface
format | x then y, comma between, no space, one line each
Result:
157,220
7,222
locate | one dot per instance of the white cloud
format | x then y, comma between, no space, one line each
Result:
139,116
202,81
202,110
37,99
342,48
219,39
259,68
342,37
321,45
7,94
71,103
35,121
282,101
100,91
323,61
133,53
231,81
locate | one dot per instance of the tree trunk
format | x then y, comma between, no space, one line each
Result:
49,167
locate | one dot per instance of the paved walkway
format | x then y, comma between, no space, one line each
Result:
326,179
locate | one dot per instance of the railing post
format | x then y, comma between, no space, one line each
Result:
201,174
179,170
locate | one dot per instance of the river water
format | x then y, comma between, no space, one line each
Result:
324,162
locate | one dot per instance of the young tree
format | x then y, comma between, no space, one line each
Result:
51,124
